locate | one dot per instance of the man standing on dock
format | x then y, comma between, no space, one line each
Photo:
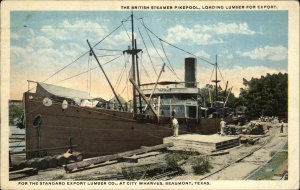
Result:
222,126
281,126
175,126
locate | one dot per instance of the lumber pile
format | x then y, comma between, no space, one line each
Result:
84,164
201,143
135,158
47,162
252,128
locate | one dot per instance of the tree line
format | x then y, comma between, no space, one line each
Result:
267,95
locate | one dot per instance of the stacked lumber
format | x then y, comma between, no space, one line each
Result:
201,143
252,128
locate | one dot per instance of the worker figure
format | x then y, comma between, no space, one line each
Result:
222,126
281,127
125,107
173,112
175,126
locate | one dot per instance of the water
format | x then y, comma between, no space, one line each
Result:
15,130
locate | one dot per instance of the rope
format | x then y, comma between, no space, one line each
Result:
108,49
121,74
80,55
109,55
125,30
221,76
87,79
147,29
107,35
91,64
65,66
186,52
154,45
147,51
126,84
129,74
169,61
86,71
212,72
144,69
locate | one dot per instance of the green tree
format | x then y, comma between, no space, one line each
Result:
15,112
265,96
209,93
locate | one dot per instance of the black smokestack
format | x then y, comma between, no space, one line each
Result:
190,72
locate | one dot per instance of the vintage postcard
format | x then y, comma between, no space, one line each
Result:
149,95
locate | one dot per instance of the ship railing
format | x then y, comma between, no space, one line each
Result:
170,85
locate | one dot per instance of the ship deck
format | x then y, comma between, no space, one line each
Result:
202,143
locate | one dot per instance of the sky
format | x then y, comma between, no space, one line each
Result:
247,44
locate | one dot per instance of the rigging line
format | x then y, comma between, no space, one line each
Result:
109,55
66,66
126,84
212,72
170,69
125,30
121,74
119,79
107,35
127,81
147,51
221,75
153,43
101,49
187,52
169,60
87,79
82,54
124,69
85,71
172,44
91,64
147,74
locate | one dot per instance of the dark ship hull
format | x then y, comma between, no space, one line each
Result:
99,131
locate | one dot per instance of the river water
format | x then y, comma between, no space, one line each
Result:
15,130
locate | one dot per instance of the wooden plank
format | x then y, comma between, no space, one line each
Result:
218,153
135,158
252,141
44,149
128,159
22,173
25,170
101,159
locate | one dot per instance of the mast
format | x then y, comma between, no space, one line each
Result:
216,81
216,78
133,64
138,78
134,51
